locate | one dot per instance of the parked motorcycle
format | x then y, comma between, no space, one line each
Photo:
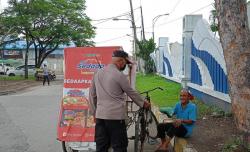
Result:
52,75
39,75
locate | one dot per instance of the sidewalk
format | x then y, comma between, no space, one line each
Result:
14,86
131,132
147,146
11,86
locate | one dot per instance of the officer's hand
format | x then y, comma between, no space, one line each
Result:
146,105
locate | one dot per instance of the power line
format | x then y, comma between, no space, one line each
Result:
100,22
110,28
116,38
171,21
109,18
183,16
201,8
178,18
124,14
112,39
175,6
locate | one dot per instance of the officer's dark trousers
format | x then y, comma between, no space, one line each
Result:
111,133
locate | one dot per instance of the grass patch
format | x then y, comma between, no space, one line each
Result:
170,96
166,98
204,109
15,78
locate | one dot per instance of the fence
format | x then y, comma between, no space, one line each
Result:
198,63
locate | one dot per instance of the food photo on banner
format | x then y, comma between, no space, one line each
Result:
76,124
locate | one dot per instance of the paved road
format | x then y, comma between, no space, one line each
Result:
28,120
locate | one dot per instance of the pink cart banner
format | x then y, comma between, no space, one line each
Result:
76,124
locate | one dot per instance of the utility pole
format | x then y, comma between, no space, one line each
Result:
142,24
134,28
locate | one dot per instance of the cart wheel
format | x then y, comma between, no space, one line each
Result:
67,148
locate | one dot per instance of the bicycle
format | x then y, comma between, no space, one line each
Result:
145,124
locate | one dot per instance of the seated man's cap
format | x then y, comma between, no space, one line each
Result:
122,54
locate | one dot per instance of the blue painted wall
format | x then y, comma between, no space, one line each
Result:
217,74
170,73
195,73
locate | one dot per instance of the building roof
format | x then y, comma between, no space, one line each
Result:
21,44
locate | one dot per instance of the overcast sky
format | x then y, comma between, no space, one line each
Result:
110,33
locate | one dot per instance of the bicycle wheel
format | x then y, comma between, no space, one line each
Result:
138,135
151,124
67,148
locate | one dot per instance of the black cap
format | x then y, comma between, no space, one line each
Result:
122,54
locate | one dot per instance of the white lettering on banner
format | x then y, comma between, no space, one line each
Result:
72,135
77,81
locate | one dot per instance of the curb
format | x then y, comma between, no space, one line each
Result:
4,93
16,90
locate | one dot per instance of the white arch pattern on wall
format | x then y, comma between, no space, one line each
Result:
208,55
203,39
168,58
205,76
174,56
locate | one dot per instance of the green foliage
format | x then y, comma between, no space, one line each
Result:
166,98
46,24
7,34
232,145
213,21
149,66
204,109
146,47
214,27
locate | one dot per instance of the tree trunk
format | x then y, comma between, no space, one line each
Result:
235,38
36,56
26,59
26,74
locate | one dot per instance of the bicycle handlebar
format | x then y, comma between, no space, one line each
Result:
157,88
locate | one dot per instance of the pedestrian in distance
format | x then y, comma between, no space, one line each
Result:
182,126
108,103
45,74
